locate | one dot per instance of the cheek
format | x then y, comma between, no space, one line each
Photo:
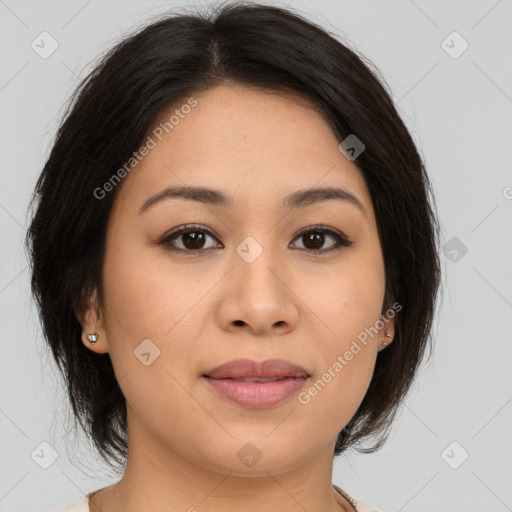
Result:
345,299
144,291
148,299
345,310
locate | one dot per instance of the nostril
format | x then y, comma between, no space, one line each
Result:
239,322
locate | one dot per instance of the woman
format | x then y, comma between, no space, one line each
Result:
234,256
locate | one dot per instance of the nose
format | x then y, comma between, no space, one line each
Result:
257,298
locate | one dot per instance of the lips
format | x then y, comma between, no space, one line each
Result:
256,385
252,371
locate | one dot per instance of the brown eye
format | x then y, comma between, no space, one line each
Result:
191,239
314,238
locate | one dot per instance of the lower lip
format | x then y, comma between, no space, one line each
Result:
257,394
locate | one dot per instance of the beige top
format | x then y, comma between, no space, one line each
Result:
358,505
82,505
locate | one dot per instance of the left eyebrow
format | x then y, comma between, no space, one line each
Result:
298,199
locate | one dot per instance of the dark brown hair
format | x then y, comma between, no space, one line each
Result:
109,117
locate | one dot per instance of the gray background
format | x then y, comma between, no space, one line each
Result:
459,111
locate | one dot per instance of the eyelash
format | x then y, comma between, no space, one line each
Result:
189,228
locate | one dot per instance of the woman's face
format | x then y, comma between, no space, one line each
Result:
244,283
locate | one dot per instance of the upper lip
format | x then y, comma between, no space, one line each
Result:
246,368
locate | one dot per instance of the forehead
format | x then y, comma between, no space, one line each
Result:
256,146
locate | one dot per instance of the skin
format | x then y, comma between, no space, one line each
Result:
202,309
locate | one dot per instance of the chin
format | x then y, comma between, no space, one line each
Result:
250,457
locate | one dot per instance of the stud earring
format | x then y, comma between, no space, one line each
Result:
91,338
385,343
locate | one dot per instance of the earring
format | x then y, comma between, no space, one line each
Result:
385,343
92,337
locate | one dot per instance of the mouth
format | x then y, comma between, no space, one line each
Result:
256,392
256,385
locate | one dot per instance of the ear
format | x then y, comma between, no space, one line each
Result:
91,317
388,314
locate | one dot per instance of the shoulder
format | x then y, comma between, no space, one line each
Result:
364,507
360,506
81,505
